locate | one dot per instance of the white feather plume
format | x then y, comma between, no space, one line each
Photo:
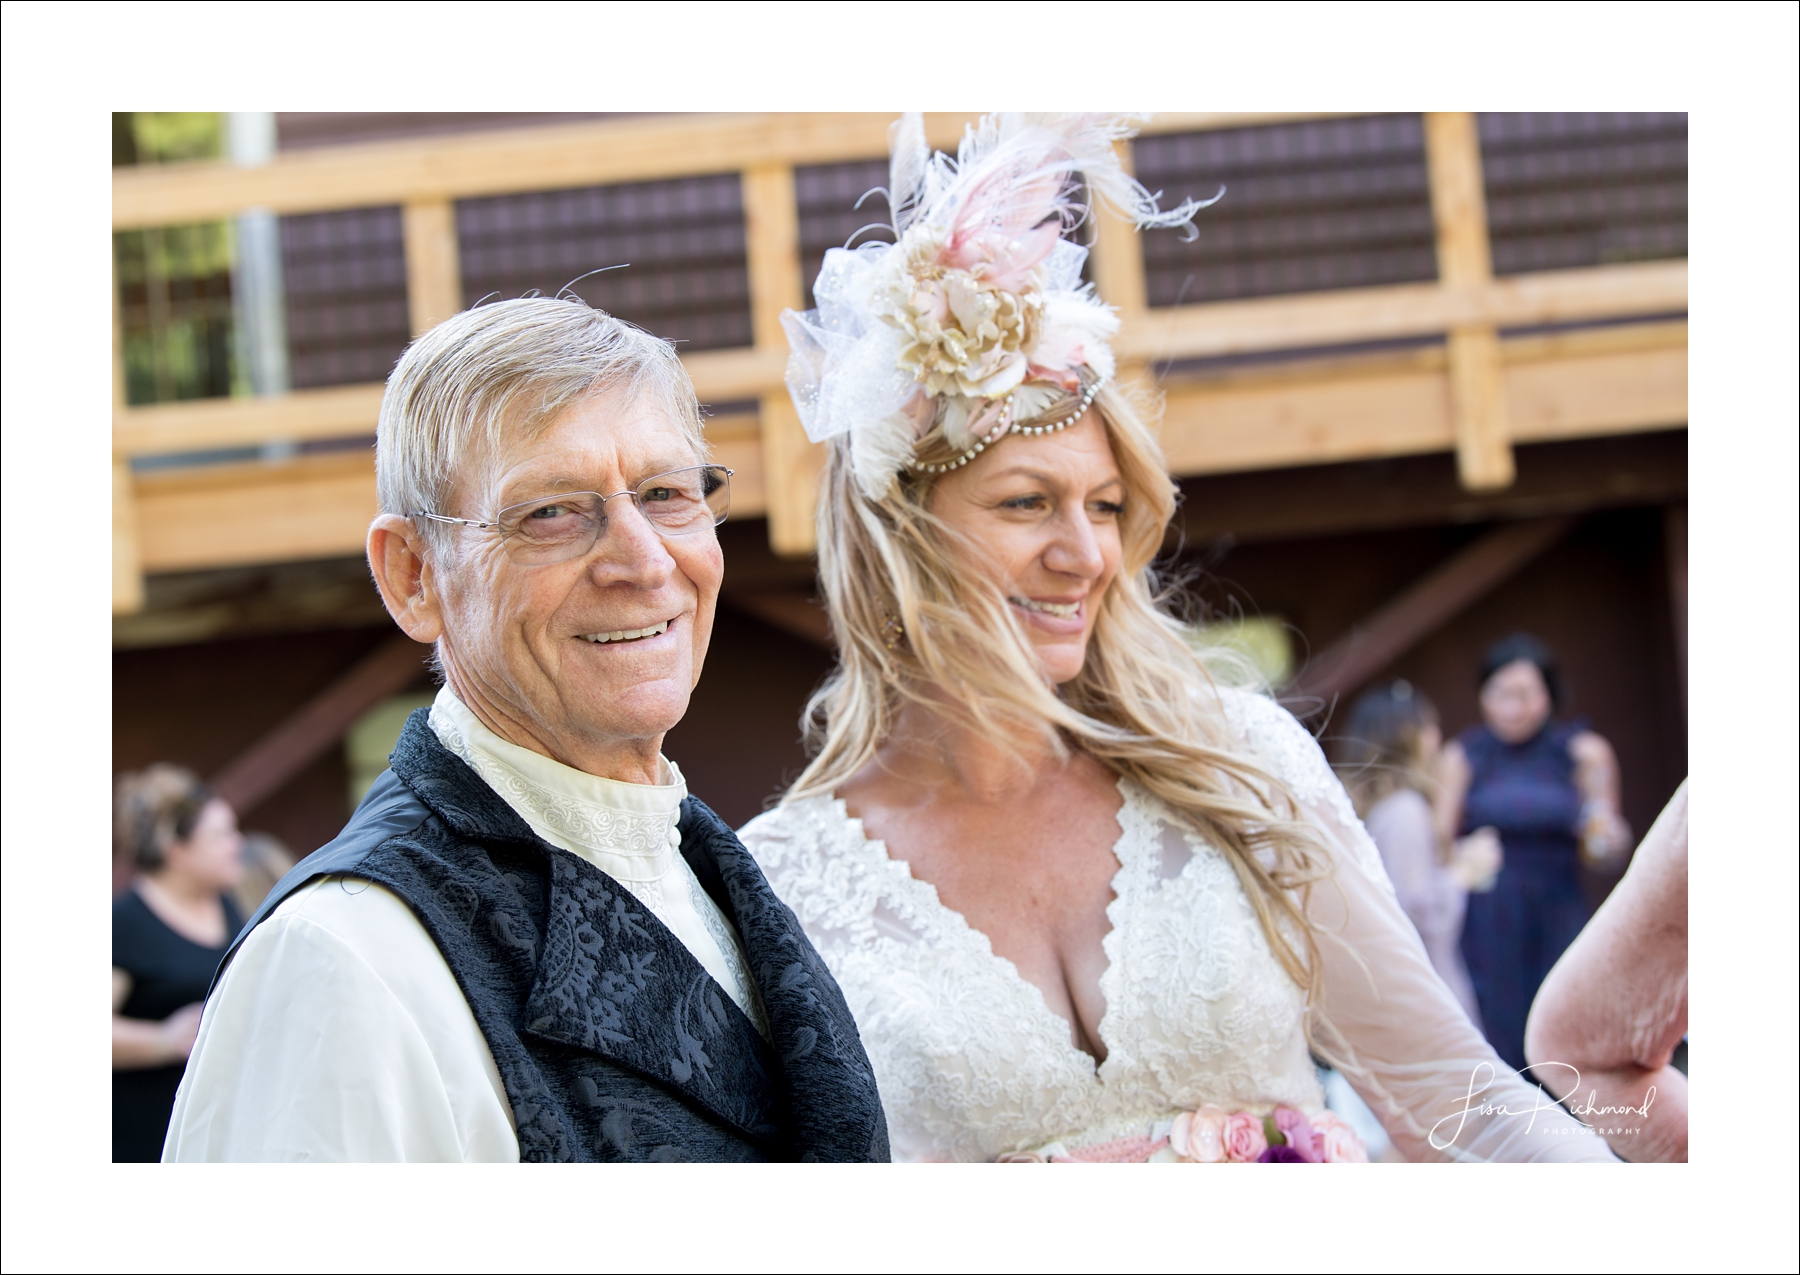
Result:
908,158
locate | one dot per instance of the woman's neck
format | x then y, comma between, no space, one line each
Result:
937,752
181,889
193,909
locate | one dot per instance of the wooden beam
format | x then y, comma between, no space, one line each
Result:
127,561
1599,392
1394,408
320,506
346,411
771,252
792,467
1478,409
350,411
1575,385
1395,311
266,766
736,443
1459,209
1180,332
553,157
1424,607
791,463
433,268
235,515
724,376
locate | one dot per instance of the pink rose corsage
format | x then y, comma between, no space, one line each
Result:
1338,1143
1284,1136
1213,1135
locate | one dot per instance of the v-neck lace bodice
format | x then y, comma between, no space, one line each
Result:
974,1064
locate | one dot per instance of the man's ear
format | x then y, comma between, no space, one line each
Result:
403,573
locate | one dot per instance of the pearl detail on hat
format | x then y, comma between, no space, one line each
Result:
1006,424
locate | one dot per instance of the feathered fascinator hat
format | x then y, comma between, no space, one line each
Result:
976,318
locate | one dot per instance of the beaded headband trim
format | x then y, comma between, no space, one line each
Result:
1007,425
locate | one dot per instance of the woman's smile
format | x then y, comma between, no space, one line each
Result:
1054,615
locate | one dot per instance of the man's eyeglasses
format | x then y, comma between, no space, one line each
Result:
567,525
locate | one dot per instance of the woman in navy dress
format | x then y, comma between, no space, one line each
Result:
1550,790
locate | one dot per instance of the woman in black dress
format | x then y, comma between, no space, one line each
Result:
169,931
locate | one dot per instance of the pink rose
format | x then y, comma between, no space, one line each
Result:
1338,1143
1199,1136
1244,1140
1298,1131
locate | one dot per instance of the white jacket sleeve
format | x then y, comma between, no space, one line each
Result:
338,1033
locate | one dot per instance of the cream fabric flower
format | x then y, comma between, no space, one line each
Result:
962,336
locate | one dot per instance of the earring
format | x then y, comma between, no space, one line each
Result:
894,631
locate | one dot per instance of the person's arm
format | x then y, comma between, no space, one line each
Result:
1612,1010
1597,779
337,1033
1402,828
143,1042
1453,775
1386,1020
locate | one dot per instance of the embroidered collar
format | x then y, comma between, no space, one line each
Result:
628,831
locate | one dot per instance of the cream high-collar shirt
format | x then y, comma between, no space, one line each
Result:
338,1032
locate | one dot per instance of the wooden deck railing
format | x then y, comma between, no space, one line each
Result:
1475,394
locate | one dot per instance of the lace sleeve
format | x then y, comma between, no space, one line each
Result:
1385,1018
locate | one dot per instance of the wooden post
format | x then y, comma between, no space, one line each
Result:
1459,206
433,271
127,570
791,463
1118,269
127,561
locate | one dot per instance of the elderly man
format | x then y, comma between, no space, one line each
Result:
530,943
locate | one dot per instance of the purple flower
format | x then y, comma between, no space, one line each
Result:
1298,1131
1282,1155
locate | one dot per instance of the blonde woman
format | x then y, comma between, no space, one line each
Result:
1085,903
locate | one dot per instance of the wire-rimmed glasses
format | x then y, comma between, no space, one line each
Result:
568,524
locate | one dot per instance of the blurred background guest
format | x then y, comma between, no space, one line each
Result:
1388,762
169,931
1604,1029
1550,790
266,860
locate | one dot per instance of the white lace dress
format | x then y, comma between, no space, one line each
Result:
974,1065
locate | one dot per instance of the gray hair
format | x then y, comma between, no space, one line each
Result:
502,372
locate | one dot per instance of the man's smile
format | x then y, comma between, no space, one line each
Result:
627,635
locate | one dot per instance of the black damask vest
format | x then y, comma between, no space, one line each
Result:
612,1041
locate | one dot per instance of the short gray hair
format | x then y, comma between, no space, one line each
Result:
505,371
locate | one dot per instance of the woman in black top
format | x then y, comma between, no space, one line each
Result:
169,931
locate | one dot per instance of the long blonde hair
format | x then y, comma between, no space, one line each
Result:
913,624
